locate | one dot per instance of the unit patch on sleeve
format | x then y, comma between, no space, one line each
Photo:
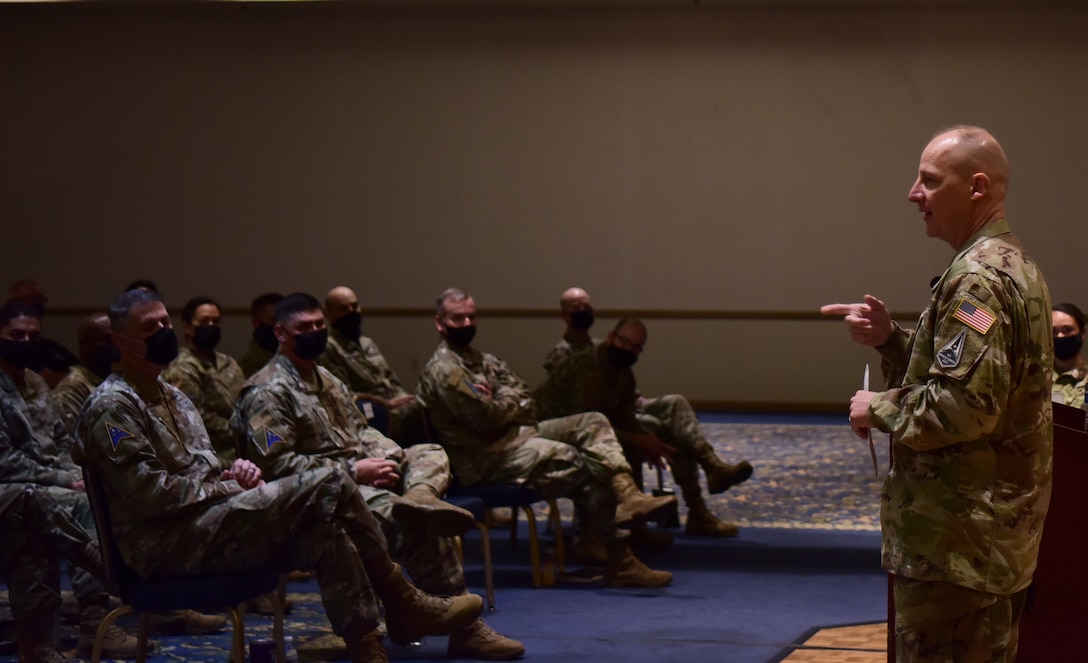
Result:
975,316
949,356
117,434
270,439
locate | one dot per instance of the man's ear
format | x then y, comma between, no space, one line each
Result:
980,185
279,332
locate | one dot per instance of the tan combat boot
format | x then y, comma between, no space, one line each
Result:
411,613
720,475
421,508
701,522
589,548
186,622
625,570
644,538
366,647
116,643
481,642
632,503
265,604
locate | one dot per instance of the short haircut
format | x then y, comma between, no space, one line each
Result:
261,301
18,309
293,304
142,284
1072,311
449,295
193,304
629,321
123,305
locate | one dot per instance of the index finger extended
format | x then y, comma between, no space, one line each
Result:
837,309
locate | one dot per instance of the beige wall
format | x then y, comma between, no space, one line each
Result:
720,159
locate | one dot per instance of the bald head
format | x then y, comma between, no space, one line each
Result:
974,150
573,299
339,302
94,337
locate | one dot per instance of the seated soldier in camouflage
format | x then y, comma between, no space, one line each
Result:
36,529
210,379
96,356
164,483
484,414
295,416
262,313
601,380
1070,371
359,364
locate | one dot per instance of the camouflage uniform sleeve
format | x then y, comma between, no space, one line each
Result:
553,358
114,438
894,355
70,399
334,362
453,386
15,465
265,420
962,399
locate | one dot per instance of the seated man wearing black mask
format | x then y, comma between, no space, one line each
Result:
211,380
96,356
601,380
262,313
359,364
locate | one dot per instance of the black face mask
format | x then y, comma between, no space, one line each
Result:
311,345
266,338
460,336
1067,347
162,346
22,354
206,337
620,357
351,325
102,362
582,320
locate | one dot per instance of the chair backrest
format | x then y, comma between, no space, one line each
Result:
117,572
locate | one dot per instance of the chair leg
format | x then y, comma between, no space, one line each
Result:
238,634
100,635
489,575
141,637
513,526
556,520
277,620
534,546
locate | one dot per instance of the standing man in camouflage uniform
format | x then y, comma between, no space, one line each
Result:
96,357
296,416
210,379
969,412
601,380
35,448
485,417
1070,371
35,529
262,314
359,364
165,483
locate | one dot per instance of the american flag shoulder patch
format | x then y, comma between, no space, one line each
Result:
975,316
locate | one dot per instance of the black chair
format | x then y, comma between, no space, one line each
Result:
212,591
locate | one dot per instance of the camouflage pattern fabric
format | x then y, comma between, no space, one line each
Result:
565,348
213,387
291,425
971,422
163,482
254,358
73,391
35,445
938,622
361,366
1069,385
30,570
497,439
588,382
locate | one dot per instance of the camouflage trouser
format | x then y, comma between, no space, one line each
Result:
573,457
313,520
87,589
672,419
939,622
430,560
28,565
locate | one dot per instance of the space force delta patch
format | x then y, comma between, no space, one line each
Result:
975,316
117,435
949,356
271,439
